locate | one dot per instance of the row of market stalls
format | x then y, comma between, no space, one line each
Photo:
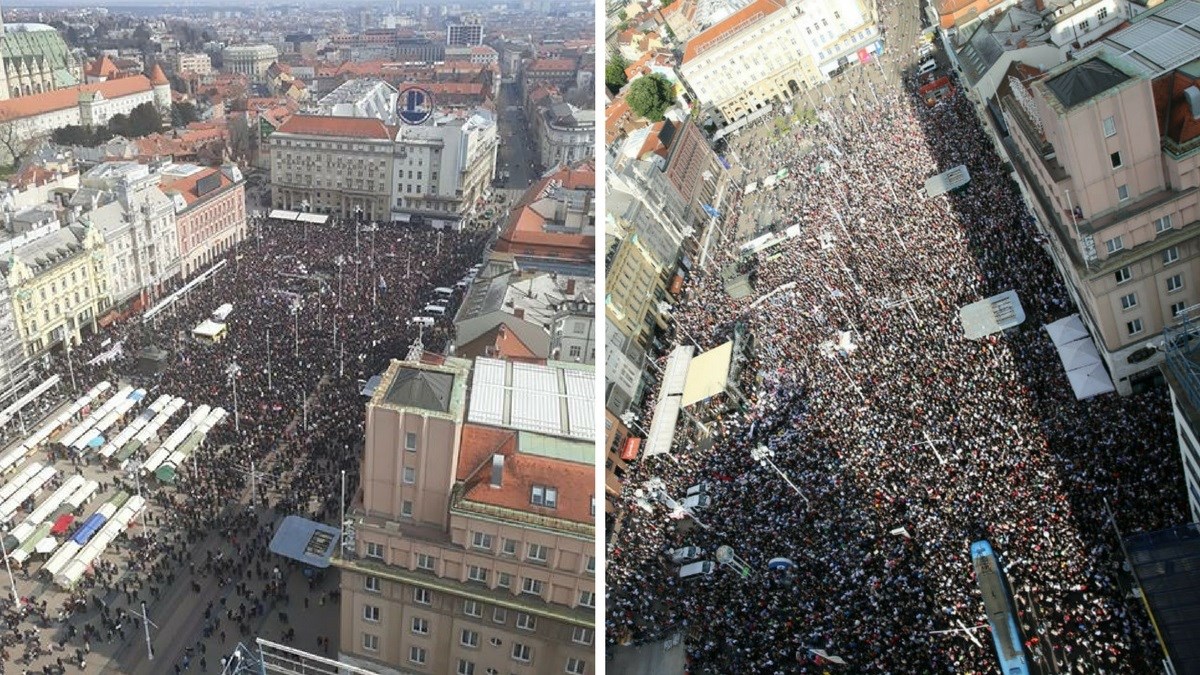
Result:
77,430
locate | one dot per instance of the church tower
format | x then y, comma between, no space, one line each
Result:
162,90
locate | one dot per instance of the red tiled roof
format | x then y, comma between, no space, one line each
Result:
101,67
575,482
327,125
61,99
157,76
186,186
736,23
552,64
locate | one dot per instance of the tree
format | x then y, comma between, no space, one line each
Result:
614,73
183,114
143,121
650,96
73,134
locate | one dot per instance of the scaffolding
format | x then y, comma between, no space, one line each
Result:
1180,344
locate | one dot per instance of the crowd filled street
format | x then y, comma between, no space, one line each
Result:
905,448
317,310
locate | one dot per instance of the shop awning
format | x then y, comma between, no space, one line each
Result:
630,450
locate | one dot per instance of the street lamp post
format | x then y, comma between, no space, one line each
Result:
232,372
12,582
762,454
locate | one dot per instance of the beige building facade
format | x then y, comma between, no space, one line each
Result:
249,60
1117,199
58,286
474,537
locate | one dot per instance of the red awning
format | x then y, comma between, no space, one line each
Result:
630,451
60,526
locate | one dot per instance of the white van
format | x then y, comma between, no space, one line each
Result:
927,67
434,309
422,320
698,488
926,51
442,290
697,501
705,567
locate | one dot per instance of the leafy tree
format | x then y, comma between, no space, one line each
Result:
143,121
119,124
650,96
614,73
73,134
183,114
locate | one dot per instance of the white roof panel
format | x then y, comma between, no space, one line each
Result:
535,402
555,400
487,393
581,408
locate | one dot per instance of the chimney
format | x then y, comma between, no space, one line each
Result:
1040,4
497,471
570,287
519,313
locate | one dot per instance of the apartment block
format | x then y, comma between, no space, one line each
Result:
474,545
1106,151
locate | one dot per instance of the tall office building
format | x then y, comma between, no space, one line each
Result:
469,33
474,528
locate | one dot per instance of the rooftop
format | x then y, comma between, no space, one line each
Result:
1157,40
1085,81
61,99
1167,566
337,127
555,399
438,388
736,23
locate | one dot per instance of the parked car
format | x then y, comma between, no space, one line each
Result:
686,553
697,501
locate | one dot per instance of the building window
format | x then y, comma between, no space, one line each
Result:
422,596
469,638
406,508
1122,193
370,642
504,580
1110,127
521,652
587,598
425,562
544,496
509,547
374,550
420,626
481,541
526,621
1113,245
410,441
1122,275
531,586
416,654
1129,301
410,475
1084,25
576,666
371,613
1115,158
466,667
1134,327
537,553
476,573
583,636
371,584
472,608
1174,283
591,564
1177,308
1170,255
1162,224
1102,14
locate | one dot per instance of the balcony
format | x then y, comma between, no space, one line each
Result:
1181,367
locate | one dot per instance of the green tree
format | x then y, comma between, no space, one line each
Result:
73,134
183,114
119,124
614,73
650,96
143,121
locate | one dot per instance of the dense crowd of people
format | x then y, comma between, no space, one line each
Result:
317,310
906,446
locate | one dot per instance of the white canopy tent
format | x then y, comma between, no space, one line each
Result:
991,315
1090,381
1085,369
1066,330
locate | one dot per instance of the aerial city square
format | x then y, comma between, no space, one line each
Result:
899,310
297,323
